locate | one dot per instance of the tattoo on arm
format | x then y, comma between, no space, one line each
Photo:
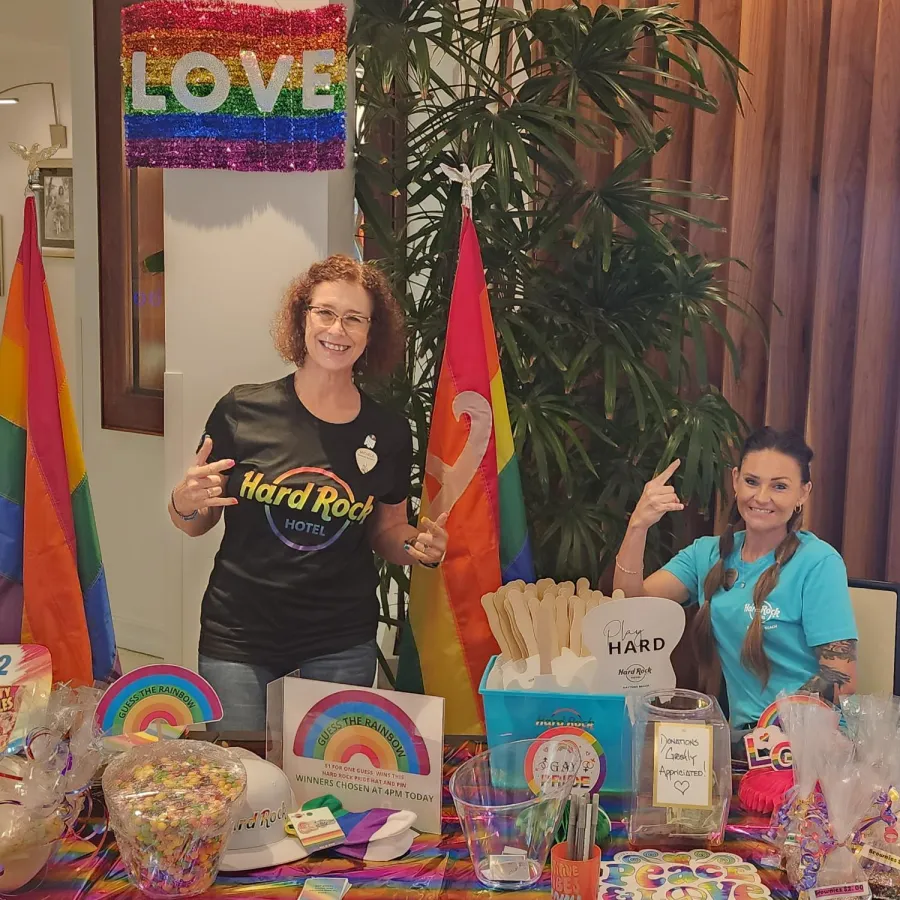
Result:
829,680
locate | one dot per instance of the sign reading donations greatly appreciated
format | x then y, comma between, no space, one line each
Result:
633,640
368,748
216,85
682,765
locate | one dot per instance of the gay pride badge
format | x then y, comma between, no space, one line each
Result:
155,702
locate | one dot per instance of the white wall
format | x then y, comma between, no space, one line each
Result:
233,241
27,122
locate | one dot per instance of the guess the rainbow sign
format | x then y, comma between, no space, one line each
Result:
356,723
219,85
156,701
369,748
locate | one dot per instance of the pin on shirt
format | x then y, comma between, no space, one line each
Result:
366,457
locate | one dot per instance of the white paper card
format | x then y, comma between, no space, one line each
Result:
368,748
633,640
682,765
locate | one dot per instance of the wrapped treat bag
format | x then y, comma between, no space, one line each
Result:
807,726
829,869
172,806
872,723
43,791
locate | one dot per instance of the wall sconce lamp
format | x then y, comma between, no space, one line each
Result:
58,136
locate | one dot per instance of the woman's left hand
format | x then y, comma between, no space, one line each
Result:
430,545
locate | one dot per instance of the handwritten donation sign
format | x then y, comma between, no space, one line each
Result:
633,640
680,875
214,85
368,748
682,765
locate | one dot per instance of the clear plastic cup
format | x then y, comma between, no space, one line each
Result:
509,801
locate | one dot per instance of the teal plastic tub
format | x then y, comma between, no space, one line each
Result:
600,721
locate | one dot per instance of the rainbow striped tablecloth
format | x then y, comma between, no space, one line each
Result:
436,867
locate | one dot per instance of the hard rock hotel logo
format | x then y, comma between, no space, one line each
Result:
307,508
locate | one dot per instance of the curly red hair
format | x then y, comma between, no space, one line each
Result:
387,334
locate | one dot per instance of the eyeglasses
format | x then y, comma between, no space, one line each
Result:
352,323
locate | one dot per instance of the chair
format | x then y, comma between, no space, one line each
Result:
876,605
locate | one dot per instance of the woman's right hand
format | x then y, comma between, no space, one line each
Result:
658,498
203,484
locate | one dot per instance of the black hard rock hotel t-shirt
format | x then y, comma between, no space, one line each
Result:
295,578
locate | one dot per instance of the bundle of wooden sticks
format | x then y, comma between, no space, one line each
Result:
541,619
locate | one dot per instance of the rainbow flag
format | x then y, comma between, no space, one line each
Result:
52,585
472,473
243,85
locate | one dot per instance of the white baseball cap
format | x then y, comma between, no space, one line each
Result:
259,840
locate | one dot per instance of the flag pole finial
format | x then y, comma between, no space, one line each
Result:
467,179
33,156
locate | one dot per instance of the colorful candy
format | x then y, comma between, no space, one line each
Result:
172,806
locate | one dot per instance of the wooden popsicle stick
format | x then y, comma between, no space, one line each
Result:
566,589
542,586
534,609
562,621
548,620
517,605
546,637
583,588
514,629
594,601
577,618
618,594
515,653
487,602
517,585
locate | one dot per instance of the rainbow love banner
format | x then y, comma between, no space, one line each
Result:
368,748
220,85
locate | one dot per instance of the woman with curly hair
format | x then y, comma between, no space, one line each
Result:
313,476
775,611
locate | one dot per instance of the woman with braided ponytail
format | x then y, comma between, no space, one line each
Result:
775,611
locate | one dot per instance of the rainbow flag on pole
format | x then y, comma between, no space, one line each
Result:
52,585
472,473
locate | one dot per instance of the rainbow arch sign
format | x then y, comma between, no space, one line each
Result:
355,723
369,748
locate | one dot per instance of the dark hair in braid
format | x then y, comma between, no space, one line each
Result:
753,656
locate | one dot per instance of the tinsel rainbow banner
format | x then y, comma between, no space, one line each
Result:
218,85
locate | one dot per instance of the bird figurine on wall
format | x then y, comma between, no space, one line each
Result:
35,156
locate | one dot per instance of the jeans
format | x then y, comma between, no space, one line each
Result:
242,686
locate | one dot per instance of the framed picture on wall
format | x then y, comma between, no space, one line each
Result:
56,208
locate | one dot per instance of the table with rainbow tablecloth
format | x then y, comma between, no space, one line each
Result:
436,867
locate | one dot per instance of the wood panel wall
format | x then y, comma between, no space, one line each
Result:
811,168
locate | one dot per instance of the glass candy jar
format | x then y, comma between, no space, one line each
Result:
681,755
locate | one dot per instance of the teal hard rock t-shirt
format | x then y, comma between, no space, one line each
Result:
810,606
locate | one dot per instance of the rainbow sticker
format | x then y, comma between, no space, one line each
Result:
157,702
770,716
593,759
349,724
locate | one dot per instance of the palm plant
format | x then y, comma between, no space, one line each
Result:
594,290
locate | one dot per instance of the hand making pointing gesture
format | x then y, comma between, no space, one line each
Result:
203,484
658,498
430,544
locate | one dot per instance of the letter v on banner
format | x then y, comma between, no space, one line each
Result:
472,474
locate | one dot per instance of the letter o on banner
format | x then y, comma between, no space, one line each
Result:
221,86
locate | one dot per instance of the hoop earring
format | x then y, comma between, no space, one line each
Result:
798,509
